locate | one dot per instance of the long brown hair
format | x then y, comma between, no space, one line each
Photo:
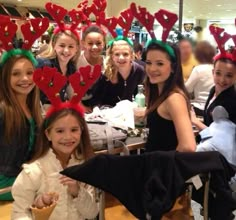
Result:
13,115
43,144
175,82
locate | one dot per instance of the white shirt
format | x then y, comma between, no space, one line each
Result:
42,176
200,82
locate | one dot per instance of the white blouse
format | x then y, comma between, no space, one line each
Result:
42,176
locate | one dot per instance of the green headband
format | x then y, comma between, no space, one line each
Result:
165,46
130,42
28,54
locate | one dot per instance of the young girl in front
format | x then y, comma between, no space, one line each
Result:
168,116
20,115
63,141
93,43
122,75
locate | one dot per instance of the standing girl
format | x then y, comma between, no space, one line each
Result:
93,43
63,50
20,112
122,75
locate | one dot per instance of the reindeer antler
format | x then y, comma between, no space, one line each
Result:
145,18
57,12
50,81
110,24
82,80
167,20
32,30
220,36
77,16
7,32
125,20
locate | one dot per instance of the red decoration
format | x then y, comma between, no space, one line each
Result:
50,81
125,21
167,20
7,32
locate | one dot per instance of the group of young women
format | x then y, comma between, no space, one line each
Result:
47,146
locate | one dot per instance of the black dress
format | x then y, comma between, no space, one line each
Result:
162,134
227,99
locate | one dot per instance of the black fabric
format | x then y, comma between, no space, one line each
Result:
107,93
151,182
15,153
71,68
162,134
227,99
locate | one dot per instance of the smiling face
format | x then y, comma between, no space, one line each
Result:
224,75
21,78
66,48
93,44
158,66
122,54
65,135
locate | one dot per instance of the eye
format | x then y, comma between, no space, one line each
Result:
59,131
229,76
159,63
75,129
15,73
30,72
148,63
71,46
217,73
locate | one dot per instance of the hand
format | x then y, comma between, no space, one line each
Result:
193,116
73,187
45,200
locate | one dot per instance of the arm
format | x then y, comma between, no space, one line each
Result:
177,108
192,80
84,197
86,201
24,193
196,122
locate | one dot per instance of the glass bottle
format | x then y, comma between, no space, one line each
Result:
140,97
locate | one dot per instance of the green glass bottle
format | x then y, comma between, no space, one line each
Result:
140,97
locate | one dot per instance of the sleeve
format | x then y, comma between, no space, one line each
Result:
192,80
24,192
86,202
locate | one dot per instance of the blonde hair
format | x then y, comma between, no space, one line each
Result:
110,69
50,53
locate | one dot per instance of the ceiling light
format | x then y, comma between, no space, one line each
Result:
218,5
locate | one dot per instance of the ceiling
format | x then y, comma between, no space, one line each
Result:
192,9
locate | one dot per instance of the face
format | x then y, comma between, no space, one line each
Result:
21,79
94,44
121,54
224,75
185,50
65,134
66,48
158,66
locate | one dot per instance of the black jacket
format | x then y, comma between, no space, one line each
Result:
150,183
227,99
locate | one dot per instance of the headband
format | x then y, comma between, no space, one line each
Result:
165,18
59,13
50,81
31,30
221,37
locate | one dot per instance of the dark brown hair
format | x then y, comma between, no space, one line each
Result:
93,28
204,52
13,115
43,144
175,82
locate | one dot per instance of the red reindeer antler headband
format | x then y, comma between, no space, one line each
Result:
221,37
58,13
165,18
50,81
31,31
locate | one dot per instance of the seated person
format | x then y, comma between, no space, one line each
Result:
122,75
